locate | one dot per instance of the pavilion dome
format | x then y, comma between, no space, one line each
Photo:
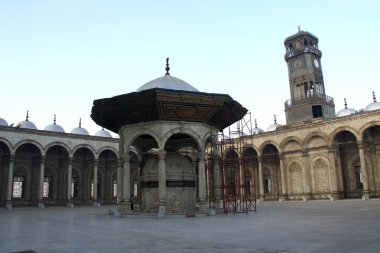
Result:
79,130
168,82
54,127
374,105
346,111
26,123
103,133
3,122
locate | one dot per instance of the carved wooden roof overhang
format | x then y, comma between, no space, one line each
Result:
217,110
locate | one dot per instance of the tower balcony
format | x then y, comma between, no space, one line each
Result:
309,99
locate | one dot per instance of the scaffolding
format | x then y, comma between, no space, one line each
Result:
238,182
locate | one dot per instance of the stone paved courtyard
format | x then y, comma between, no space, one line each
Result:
314,226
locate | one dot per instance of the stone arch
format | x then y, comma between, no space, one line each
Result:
315,140
291,144
185,131
263,145
345,142
108,162
125,146
56,165
320,179
8,144
61,144
271,169
366,127
295,181
338,130
29,141
250,168
115,151
86,146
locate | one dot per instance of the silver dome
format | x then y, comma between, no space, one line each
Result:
274,126
3,122
257,130
54,127
346,111
372,106
103,133
26,123
168,82
80,130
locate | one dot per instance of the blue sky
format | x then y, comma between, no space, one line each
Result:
56,57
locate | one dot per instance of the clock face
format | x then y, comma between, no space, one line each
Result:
316,63
297,64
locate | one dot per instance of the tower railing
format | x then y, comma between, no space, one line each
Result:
316,97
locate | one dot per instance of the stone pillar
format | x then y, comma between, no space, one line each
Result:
217,184
161,184
95,185
8,201
365,195
283,179
333,175
306,176
126,179
261,178
41,183
202,183
119,181
69,182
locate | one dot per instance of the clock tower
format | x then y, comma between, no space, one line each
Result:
308,99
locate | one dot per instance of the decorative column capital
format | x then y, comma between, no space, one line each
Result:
360,145
42,159
260,159
201,155
96,161
125,157
11,158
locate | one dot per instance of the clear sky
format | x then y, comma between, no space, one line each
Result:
56,57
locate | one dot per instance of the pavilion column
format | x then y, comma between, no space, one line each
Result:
306,176
283,179
95,184
333,175
8,201
127,179
202,183
41,183
365,195
69,183
161,183
261,178
217,184
119,176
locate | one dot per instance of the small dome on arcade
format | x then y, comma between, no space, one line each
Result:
54,127
168,82
26,123
274,126
103,133
257,130
79,129
3,122
346,111
374,105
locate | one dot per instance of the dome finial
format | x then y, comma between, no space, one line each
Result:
80,122
167,67
27,115
374,97
345,103
255,123
55,119
299,28
275,120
